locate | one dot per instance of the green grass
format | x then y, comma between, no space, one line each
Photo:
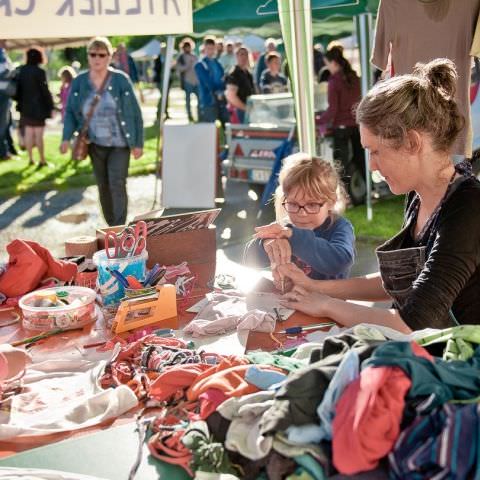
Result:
17,176
386,222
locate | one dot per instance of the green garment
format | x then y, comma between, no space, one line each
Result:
281,361
461,341
208,455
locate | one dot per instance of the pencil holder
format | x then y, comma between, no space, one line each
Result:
111,290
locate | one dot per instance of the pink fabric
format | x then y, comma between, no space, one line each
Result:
209,401
420,351
64,93
367,418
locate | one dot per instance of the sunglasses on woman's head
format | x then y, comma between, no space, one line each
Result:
100,55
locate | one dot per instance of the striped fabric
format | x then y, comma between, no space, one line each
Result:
443,445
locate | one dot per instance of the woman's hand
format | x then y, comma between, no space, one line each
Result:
279,251
64,146
296,275
311,303
273,230
137,152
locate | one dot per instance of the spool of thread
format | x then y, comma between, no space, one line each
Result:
84,245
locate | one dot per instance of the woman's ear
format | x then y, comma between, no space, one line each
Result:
413,141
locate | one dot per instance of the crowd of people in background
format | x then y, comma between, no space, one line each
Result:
220,75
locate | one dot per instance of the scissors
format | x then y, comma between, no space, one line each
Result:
128,243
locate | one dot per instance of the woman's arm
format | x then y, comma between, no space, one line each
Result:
70,123
129,96
345,313
232,96
368,288
451,263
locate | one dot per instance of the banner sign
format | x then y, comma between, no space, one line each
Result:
89,18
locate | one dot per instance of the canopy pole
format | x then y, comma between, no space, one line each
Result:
296,23
163,106
364,23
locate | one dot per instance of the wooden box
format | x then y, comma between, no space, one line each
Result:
196,247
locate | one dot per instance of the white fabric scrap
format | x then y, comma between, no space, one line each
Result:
10,473
62,395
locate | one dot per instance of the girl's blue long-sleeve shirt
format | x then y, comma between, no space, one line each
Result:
329,250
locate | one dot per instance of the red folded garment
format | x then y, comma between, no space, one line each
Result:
367,418
28,264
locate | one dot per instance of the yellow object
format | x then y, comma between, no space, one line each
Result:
160,307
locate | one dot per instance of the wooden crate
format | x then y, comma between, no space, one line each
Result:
196,247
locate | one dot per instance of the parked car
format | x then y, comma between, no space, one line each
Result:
269,120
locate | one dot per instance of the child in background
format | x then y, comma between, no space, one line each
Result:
310,232
66,74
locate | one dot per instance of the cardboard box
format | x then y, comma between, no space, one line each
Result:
196,247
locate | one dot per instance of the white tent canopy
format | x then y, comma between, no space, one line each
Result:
19,43
149,51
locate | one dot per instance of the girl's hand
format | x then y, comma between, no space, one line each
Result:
273,230
279,251
311,303
296,275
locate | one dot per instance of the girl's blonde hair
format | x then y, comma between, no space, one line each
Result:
316,177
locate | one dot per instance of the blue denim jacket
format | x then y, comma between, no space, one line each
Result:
210,80
128,109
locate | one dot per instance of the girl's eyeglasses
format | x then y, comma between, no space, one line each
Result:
100,55
292,207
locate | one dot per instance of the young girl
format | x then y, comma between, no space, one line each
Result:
66,74
310,232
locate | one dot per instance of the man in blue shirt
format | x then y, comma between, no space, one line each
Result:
211,86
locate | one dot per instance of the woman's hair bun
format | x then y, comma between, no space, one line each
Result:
441,74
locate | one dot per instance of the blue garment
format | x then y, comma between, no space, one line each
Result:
444,444
347,372
210,81
104,128
128,109
263,379
329,249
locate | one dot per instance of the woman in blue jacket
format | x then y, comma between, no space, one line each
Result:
115,129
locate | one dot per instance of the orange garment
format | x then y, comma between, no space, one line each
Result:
176,378
228,376
28,264
367,418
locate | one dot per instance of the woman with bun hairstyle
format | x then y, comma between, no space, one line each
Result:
430,269
344,93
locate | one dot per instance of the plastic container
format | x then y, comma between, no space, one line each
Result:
79,311
111,290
